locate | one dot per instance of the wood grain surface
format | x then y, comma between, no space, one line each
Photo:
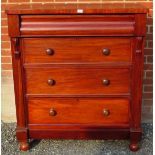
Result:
77,50
77,81
71,8
116,25
78,111
78,92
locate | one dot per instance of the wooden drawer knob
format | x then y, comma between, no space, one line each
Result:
106,51
52,112
106,82
49,51
51,82
106,112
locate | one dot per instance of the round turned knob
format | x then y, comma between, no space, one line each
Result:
51,82
106,112
52,112
49,51
106,51
106,82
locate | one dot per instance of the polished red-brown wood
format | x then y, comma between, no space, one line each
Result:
115,133
24,146
86,8
40,20
15,29
68,111
137,85
82,61
21,130
77,50
106,25
77,126
140,19
18,85
83,80
137,73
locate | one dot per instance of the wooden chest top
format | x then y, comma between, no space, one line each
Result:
85,8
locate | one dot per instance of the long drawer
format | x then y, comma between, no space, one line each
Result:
77,50
68,111
77,80
75,25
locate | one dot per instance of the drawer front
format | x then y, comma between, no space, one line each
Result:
78,25
78,111
63,50
77,80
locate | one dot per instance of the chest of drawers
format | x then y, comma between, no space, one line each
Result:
78,71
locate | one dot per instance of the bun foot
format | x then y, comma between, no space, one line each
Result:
24,146
134,147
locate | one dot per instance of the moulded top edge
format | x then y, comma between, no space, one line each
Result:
77,8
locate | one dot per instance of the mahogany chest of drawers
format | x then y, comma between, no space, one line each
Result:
78,71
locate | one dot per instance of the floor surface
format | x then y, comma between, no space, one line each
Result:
75,147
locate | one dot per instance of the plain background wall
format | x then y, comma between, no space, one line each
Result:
8,101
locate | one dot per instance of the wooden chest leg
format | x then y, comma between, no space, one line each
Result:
135,137
22,137
24,146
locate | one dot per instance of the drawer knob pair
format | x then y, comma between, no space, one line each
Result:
51,82
106,112
52,112
106,82
106,51
49,51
